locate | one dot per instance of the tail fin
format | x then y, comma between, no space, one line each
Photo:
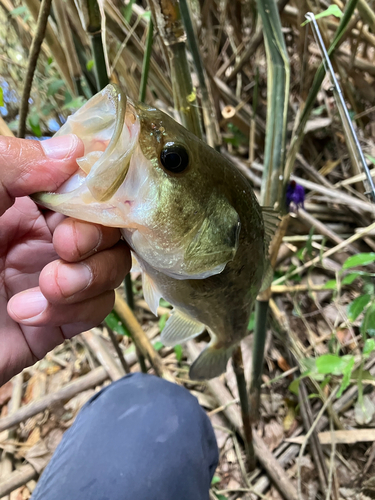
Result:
211,363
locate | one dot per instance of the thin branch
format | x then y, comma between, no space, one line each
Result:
45,8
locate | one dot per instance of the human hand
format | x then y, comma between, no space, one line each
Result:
57,275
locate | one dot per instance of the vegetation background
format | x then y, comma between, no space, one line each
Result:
247,77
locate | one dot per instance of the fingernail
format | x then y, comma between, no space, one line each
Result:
73,278
61,147
27,305
88,237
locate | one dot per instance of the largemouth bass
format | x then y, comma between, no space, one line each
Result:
191,219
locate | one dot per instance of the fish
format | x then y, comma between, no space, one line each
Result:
192,221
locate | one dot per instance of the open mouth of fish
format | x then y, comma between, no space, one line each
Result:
108,125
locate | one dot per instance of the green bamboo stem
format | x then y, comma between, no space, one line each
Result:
146,62
100,65
184,95
91,20
142,96
167,19
238,368
278,74
261,313
208,111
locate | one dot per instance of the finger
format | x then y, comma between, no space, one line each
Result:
65,283
28,166
89,312
75,240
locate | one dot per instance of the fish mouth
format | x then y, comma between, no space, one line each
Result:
108,125
109,170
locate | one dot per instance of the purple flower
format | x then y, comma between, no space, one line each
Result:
295,196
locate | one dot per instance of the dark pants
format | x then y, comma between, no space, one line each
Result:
141,438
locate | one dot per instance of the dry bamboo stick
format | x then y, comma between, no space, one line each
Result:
336,195
140,338
18,478
92,379
98,347
323,229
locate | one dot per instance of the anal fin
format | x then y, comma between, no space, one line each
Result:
179,328
211,363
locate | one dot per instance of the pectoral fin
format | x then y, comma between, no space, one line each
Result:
179,328
150,292
216,242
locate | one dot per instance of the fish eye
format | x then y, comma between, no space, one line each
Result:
174,158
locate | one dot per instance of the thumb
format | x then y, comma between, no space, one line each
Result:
28,166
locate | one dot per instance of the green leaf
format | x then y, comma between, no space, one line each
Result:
178,352
220,497
215,480
361,259
368,347
18,11
347,372
76,103
349,278
164,303
113,321
34,124
158,345
90,64
357,306
251,324
128,10
368,323
371,158
330,285
333,10
47,108
1,97
333,364
162,321
294,386
55,86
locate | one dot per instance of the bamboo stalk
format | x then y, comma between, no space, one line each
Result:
238,368
278,74
91,21
146,61
44,10
167,19
140,338
208,109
